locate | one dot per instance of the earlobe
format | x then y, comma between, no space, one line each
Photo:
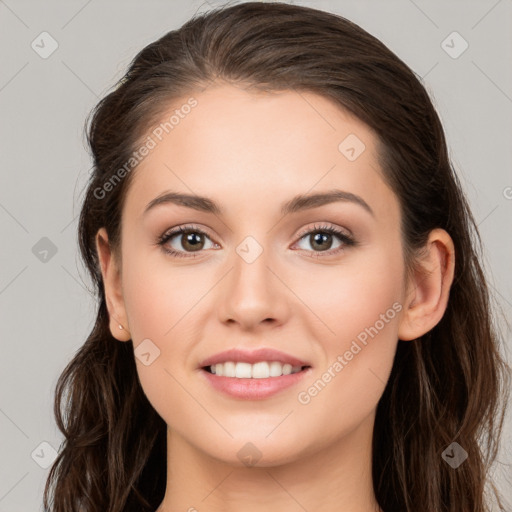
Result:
428,294
112,287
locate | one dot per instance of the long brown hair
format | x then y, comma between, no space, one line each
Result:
449,385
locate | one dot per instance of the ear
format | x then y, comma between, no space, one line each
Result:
113,290
428,292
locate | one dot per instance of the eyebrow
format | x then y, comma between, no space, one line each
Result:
298,203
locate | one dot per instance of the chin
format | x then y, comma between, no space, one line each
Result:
256,451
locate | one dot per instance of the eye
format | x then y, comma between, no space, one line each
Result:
321,238
192,239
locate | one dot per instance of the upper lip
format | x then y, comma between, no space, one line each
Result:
252,356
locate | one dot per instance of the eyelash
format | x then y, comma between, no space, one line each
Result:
347,240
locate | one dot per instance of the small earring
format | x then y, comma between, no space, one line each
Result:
120,326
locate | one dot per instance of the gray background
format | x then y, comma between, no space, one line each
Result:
46,309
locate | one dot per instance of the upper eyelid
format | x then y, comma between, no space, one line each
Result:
178,230
327,227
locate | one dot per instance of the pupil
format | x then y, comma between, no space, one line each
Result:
193,239
322,237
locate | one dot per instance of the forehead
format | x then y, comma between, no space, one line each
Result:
242,147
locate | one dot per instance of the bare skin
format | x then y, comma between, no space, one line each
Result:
250,153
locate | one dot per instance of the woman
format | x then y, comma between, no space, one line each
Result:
292,313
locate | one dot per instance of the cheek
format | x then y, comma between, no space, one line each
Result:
160,297
362,311
160,306
164,305
349,388
344,299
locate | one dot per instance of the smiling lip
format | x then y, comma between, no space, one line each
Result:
253,389
253,356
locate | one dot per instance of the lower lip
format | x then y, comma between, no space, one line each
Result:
254,389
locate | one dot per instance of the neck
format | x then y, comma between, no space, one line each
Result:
335,478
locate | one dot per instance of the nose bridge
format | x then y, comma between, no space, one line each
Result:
251,276
252,294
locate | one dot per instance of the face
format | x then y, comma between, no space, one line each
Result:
320,281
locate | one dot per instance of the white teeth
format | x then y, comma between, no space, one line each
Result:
229,369
276,369
260,370
243,370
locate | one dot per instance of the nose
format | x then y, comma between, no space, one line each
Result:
254,294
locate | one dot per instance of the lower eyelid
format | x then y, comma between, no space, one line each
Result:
344,239
336,236
179,234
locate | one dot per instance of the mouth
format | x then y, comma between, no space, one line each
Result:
259,370
253,375
253,381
